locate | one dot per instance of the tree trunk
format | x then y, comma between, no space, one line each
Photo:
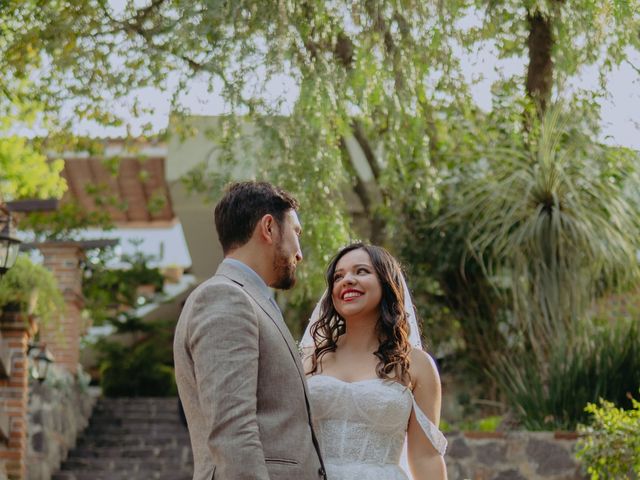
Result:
540,69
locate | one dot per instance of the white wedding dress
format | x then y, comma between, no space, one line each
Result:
362,427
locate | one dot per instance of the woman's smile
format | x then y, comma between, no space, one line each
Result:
351,294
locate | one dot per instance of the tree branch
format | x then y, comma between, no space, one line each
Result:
362,140
144,13
432,131
637,69
359,187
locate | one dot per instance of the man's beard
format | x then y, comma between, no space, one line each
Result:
285,271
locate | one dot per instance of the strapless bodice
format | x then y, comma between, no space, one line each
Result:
362,426
360,422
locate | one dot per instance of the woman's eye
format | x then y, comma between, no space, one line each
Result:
362,270
336,277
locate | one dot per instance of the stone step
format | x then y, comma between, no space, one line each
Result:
116,439
135,428
159,404
138,417
180,452
147,464
101,475
132,439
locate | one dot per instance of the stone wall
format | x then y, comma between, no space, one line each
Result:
513,456
59,410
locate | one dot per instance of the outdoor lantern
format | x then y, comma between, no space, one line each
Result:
41,360
9,245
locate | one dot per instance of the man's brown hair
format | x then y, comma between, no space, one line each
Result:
243,205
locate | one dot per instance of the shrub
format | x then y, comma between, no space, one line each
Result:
601,361
109,291
611,445
143,369
485,424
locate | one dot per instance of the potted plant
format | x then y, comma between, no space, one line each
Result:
145,280
31,289
173,273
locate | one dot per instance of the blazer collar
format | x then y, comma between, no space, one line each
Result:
251,285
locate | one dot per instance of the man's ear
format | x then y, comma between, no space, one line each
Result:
267,228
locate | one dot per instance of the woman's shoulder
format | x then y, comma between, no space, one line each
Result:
326,360
423,369
306,354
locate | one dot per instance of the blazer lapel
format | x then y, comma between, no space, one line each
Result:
271,310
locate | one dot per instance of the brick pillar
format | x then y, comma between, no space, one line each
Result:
15,331
63,337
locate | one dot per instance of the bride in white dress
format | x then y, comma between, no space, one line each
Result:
372,389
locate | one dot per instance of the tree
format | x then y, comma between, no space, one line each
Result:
379,78
24,173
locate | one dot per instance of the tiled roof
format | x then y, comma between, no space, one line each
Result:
139,185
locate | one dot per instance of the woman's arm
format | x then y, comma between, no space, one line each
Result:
424,460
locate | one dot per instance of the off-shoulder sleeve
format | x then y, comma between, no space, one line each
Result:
432,432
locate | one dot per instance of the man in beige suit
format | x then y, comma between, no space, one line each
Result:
238,370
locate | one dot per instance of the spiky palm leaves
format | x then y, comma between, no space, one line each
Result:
554,223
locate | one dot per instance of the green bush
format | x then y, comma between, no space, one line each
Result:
601,361
485,424
143,369
611,445
108,291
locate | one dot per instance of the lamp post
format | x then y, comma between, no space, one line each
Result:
9,245
41,359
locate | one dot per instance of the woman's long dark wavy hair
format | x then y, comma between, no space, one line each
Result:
392,326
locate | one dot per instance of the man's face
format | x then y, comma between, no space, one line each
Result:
287,251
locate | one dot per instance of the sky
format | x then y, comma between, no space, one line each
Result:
620,111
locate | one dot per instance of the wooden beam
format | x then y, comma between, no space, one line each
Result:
48,205
82,244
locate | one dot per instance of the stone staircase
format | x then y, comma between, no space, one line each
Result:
131,439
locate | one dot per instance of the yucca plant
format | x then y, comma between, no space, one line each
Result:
551,219
553,223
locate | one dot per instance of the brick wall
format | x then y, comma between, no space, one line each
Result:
63,337
15,330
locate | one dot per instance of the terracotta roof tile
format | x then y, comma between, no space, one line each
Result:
139,186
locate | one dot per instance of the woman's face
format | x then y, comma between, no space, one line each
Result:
356,288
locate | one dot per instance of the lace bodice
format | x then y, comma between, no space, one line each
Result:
362,426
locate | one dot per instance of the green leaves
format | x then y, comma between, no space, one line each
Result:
379,135
611,445
25,173
33,289
600,360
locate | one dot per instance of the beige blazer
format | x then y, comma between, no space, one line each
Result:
242,385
